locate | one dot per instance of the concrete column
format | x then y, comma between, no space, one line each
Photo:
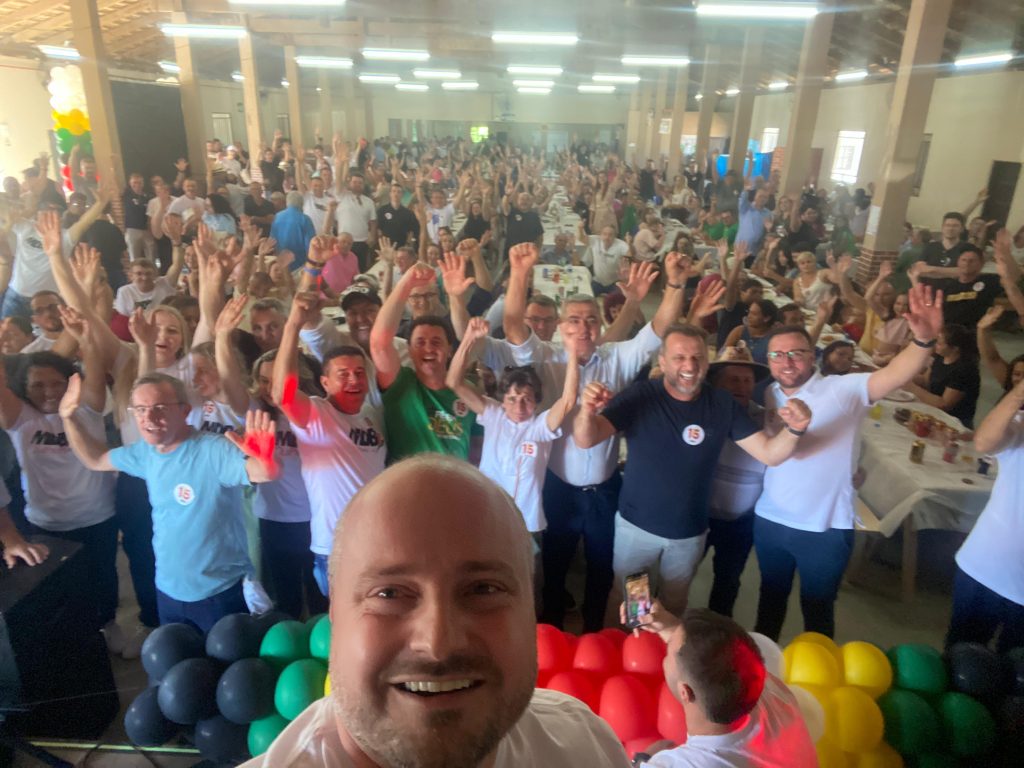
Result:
251,95
191,102
106,142
326,106
709,102
632,127
349,93
643,136
291,73
368,132
922,47
660,98
675,134
750,70
806,98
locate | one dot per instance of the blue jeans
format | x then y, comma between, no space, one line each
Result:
821,560
732,540
135,517
978,612
288,568
201,614
320,574
15,304
572,512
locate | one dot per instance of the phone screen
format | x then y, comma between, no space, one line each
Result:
638,597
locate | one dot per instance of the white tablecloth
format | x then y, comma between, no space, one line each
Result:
936,493
559,282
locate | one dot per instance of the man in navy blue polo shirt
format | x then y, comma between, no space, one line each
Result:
675,428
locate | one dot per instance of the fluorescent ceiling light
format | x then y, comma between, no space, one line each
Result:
238,77
778,85
168,80
846,77
775,11
975,61
285,83
538,91
170,67
366,77
461,85
655,61
732,91
389,54
522,69
437,74
412,87
616,78
595,88
699,96
292,3
59,52
207,31
533,83
323,62
534,38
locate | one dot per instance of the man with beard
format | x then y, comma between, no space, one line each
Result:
433,647
675,429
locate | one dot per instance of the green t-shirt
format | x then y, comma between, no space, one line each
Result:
421,420
629,222
716,232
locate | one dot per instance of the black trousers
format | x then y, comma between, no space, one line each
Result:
288,568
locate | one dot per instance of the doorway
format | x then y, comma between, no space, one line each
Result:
1002,183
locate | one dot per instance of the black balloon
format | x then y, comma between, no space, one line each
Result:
266,620
1015,667
168,645
145,724
236,636
220,740
976,671
246,691
188,692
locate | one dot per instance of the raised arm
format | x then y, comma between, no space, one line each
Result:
382,337
231,375
293,401
995,363
1009,272
848,292
822,314
471,250
257,443
871,293
453,274
477,329
104,195
732,281
980,198
90,451
521,259
995,434
925,321
214,267
560,409
772,451
671,307
590,427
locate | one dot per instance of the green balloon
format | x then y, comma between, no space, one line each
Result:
911,725
285,642
263,732
918,667
301,683
64,133
969,728
320,638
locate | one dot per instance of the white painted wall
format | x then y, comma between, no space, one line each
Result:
25,119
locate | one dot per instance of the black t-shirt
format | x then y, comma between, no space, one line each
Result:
695,181
273,176
935,254
253,207
803,239
134,209
966,303
522,227
475,227
399,225
673,451
729,319
647,177
109,241
962,376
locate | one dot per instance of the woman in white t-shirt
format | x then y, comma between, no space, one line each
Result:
517,440
988,590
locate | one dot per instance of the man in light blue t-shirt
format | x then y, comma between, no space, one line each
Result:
198,534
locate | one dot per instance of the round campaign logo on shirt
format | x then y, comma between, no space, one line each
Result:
978,286
693,434
184,494
460,408
519,217
388,215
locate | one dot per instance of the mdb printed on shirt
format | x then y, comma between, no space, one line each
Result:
49,439
366,437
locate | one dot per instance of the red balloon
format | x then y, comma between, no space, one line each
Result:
552,649
643,654
671,717
617,636
65,172
627,707
572,640
577,684
640,744
542,679
598,655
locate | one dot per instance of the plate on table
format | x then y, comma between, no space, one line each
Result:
900,396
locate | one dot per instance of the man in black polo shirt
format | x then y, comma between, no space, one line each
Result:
259,209
968,296
675,429
136,223
396,222
523,223
943,253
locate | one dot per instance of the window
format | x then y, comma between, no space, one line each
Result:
284,124
689,144
478,133
846,162
222,127
769,139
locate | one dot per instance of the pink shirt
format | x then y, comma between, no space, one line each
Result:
340,270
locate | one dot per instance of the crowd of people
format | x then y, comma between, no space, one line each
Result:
215,382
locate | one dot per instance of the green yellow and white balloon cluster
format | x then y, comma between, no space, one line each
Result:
70,114
232,692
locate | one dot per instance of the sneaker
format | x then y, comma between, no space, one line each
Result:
114,636
133,645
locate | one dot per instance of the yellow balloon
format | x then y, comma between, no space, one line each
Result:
327,685
807,663
819,639
76,129
853,722
865,666
831,756
882,756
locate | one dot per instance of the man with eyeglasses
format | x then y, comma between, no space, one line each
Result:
46,317
805,514
198,533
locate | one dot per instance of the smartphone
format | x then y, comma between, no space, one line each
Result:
638,598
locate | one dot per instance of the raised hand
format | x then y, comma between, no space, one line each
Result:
231,315
173,226
596,396
522,258
641,277
468,247
990,318
75,322
306,308
48,224
825,308
477,329
677,267
266,247
72,397
795,414
258,440
925,314
453,273
419,275
885,269
204,242
143,329
723,250
387,249
706,301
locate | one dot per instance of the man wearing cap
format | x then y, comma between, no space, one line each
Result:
675,430
736,483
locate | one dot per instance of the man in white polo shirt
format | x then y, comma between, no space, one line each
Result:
604,256
355,213
805,514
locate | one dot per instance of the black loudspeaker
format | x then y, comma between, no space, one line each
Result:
55,675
